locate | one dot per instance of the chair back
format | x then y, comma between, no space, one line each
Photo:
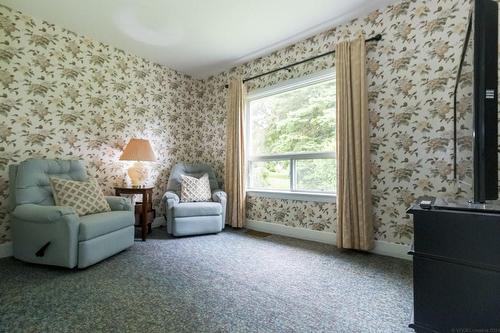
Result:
29,180
193,170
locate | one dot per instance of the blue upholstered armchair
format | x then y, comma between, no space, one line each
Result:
193,218
44,233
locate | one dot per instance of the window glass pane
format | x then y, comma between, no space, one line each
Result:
301,120
270,175
317,175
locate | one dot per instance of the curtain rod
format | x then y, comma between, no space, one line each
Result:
375,38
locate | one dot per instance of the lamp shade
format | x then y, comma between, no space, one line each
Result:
138,150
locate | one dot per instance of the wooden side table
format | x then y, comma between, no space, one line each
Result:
147,199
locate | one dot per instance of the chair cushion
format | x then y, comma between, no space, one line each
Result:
96,225
195,189
85,197
197,209
32,179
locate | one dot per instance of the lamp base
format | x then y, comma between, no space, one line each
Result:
138,174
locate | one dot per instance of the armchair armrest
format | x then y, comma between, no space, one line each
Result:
46,234
119,203
219,195
43,214
170,199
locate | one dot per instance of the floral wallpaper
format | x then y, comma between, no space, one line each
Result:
319,216
411,76
66,96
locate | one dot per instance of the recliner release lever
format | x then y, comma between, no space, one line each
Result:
41,252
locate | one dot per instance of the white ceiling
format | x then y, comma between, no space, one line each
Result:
197,37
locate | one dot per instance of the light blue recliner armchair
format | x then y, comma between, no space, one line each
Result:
193,218
43,233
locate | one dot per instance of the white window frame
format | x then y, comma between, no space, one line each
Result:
293,193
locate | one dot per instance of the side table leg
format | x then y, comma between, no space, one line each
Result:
144,215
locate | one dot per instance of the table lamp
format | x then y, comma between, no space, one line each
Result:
138,150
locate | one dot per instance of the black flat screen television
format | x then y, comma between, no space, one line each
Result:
476,104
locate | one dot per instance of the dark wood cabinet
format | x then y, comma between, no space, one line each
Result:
456,270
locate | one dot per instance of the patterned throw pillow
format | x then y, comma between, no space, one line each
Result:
84,196
194,189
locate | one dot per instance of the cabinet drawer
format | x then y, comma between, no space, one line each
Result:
450,296
465,237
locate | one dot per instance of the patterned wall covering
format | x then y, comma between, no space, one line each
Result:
66,96
411,74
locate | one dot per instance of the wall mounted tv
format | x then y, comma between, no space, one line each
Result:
476,104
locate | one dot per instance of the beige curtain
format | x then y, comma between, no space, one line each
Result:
235,155
354,206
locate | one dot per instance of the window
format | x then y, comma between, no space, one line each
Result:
291,137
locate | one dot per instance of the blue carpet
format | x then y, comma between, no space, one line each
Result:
230,282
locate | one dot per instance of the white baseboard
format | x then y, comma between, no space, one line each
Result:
6,250
381,247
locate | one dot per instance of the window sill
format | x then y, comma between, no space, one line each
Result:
301,196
